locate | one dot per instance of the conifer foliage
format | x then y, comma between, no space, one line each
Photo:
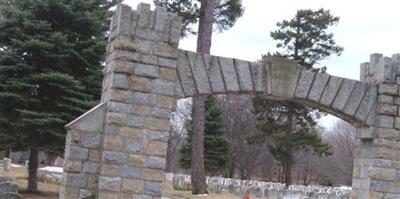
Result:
50,60
216,146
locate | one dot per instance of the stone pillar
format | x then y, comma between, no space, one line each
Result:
376,171
139,89
118,149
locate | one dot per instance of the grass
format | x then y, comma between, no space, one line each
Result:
50,191
19,174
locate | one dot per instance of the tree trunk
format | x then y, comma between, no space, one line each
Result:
32,171
7,155
206,21
288,171
199,185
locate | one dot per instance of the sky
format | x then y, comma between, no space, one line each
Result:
365,27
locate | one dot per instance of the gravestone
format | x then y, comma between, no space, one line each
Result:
6,164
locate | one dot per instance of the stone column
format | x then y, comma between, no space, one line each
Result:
118,148
139,89
376,171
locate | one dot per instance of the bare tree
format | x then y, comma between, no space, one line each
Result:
338,168
177,133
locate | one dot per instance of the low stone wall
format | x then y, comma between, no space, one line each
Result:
261,189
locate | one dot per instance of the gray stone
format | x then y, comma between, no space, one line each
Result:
380,186
386,99
112,130
91,140
7,164
10,196
149,99
120,81
243,71
146,46
214,73
8,187
5,179
343,94
385,121
86,194
135,121
368,102
185,74
91,167
111,157
169,63
124,55
382,163
123,20
144,15
161,112
133,146
75,180
153,188
229,74
282,77
331,90
110,183
197,65
318,86
155,162
355,98
130,172
161,18
91,121
76,153
120,107
304,85
157,135
147,70
165,87
259,75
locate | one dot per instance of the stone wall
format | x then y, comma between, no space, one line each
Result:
376,172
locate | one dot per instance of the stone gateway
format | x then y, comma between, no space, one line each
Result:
118,148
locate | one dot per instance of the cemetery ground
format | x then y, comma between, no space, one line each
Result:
51,190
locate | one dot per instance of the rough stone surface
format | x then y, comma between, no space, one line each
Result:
245,79
304,85
197,65
229,74
318,86
214,73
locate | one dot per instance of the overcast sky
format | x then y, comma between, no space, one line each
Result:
365,27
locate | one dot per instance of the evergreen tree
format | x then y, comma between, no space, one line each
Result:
216,146
291,125
305,38
50,60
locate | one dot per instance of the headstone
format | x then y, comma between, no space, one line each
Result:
5,179
10,196
292,197
6,164
59,162
8,187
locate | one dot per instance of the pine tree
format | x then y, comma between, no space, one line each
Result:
305,38
215,142
291,125
50,60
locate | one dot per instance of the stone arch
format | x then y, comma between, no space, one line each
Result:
276,78
118,148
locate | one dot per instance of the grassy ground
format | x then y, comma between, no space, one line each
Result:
50,191
47,191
